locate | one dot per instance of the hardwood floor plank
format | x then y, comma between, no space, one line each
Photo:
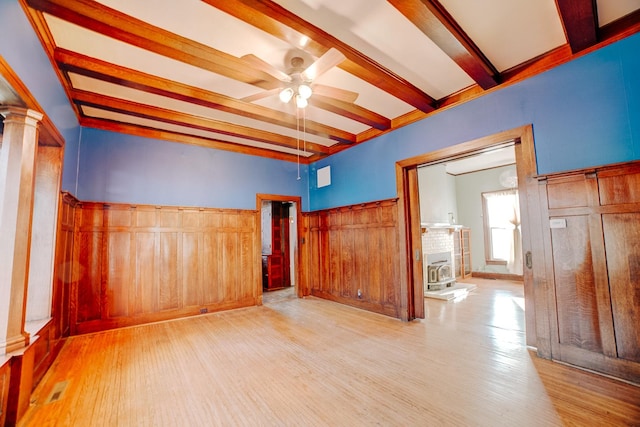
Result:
315,363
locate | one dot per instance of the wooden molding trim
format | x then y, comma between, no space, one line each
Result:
73,62
170,136
498,276
49,134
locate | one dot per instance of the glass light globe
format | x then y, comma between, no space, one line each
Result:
301,102
286,95
304,91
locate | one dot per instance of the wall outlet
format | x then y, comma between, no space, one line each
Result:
359,293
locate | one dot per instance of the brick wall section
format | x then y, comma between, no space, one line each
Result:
437,240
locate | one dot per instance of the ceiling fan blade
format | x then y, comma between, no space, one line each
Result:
259,64
335,93
261,95
330,59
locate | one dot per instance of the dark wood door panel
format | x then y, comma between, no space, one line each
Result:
593,301
575,285
622,241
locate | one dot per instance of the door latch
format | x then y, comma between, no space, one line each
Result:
528,260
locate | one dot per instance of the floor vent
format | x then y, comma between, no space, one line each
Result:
57,392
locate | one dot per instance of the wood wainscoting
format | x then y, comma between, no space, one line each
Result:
5,377
135,264
592,241
351,256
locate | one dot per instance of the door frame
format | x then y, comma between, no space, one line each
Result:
296,252
411,282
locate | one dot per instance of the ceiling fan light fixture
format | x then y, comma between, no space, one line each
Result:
286,95
301,102
304,90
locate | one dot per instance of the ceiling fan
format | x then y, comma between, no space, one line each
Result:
297,83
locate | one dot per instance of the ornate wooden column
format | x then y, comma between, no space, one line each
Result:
17,176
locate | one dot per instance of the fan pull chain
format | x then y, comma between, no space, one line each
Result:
298,141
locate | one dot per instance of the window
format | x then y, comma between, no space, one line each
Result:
501,216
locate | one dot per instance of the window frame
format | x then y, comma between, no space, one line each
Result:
488,247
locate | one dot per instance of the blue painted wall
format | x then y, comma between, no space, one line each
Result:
22,50
584,113
128,169
111,167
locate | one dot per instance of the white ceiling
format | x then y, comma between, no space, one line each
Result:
372,34
482,161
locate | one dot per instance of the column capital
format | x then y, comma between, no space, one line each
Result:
20,115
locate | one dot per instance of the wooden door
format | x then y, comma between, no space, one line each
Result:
285,236
278,262
274,260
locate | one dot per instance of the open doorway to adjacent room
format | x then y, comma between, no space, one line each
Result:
470,217
278,225
451,222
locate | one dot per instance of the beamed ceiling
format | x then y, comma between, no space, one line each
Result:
208,72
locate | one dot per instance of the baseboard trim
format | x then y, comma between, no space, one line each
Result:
496,276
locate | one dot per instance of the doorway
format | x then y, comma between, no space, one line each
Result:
278,231
407,180
470,215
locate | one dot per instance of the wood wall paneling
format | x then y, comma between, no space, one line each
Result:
595,286
576,297
5,375
45,351
353,256
65,271
622,240
620,185
147,263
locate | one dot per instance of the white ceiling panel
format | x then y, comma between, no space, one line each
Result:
377,29
77,39
610,10
144,98
509,32
401,61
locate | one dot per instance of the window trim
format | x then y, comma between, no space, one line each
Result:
488,253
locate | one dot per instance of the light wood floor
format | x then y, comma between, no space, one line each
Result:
310,362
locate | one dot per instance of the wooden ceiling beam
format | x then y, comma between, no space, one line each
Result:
146,132
112,73
621,28
430,17
115,24
281,23
580,22
351,111
178,118
110,22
